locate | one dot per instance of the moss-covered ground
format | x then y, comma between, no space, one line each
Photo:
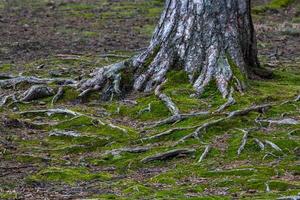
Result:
36,165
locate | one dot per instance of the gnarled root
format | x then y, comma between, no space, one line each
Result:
37,91
106,79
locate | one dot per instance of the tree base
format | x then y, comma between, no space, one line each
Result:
209,40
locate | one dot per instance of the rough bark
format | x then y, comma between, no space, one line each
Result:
211,40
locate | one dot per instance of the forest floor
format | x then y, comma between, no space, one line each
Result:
63,156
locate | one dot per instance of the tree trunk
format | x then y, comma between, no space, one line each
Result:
211,40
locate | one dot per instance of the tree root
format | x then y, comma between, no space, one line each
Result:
168,155
36,92
230,101
116,152
205,153
166,100
244,141
297,197
231,115
285,121
177,118
5,99
201,127
259,108
12,81
274,146
50,112
57,96
64,133
106,79
197,132
259,143
147,109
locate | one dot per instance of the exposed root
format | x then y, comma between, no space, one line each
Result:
297,197
199,129
178,118
297,98
113,56
259,143
15,80
259,108
270,154
205,153
267,187
274,146
169,132
166,100
6,98
116,152
57,96
230,101
147,109
291,133
106,79
196,133
64,133
285,121
244,141
168,155
50,112
36,92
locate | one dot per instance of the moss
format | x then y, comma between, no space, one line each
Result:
281,186
67,175
8,195
273,5
237,72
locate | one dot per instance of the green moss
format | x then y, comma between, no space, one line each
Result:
273,5
281,186
67,175
8,195
6,67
